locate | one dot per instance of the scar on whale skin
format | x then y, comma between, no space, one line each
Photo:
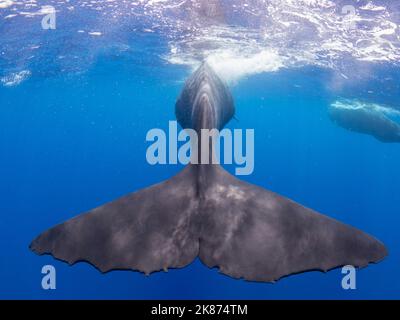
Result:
203,211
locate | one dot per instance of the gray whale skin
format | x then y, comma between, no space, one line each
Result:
245,230
366,121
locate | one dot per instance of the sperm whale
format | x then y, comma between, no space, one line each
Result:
366,118
246,231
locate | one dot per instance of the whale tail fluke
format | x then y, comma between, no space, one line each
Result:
258,235
148,230
246,231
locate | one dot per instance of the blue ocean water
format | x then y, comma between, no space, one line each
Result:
72,137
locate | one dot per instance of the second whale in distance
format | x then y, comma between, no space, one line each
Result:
366,118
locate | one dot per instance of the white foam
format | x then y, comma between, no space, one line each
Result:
6,3
271,34
233,66
95,33
371,7
10,16
295,33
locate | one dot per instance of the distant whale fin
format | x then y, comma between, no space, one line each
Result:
260,236
148,230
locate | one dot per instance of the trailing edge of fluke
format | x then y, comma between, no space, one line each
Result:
203,211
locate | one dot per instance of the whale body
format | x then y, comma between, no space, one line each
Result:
244,230
366,118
